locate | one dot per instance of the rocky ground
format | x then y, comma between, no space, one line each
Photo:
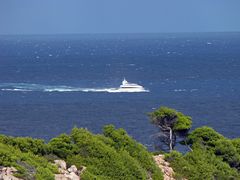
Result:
6,173
72,173
168,172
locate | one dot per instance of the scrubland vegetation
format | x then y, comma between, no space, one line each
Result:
111,155
115,155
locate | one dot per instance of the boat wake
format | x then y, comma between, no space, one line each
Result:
26,87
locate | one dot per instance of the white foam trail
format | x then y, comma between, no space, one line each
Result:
25,87
15,89
109,90
126,91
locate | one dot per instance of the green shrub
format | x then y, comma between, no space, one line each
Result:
25,163
113,155
213,157
204,135
200,164
26,144
236,144
225,149
122,141
44,174
61,146
101,159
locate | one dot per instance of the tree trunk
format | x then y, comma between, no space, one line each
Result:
171,139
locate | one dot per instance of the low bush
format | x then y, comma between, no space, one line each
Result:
212,157
29,166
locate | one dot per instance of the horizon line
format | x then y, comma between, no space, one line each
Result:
113,33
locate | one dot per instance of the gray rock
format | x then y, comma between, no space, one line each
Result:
6,173
61,164
73,168
73,176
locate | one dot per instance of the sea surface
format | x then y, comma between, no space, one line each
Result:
51,83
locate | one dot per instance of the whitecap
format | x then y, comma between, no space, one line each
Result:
180,90
132,64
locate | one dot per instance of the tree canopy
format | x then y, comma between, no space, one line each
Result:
170,123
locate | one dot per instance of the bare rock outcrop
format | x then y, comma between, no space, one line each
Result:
72,173
61,164
168,172
6,173
73,168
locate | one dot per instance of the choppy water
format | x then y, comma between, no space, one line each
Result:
48,84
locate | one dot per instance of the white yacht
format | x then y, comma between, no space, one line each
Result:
131,87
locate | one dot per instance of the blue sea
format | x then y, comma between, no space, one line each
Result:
51,83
